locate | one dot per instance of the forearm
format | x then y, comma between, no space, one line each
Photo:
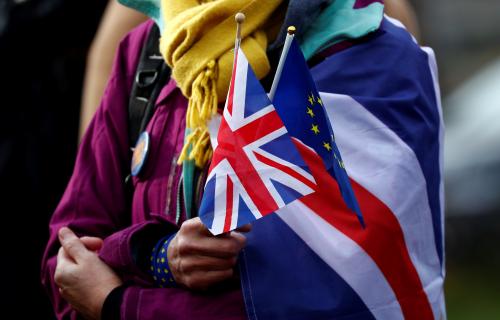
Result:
128,251
120,251
95,203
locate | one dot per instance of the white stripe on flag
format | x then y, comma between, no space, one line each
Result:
237,119
344,255
437,91
220,196
434,72
221,173
240,88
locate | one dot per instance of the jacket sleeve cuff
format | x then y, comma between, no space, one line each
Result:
111,309
123,249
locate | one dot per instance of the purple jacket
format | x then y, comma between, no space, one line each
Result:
94,203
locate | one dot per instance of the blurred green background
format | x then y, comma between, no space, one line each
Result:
466,38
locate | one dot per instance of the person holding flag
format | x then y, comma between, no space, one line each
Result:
352,225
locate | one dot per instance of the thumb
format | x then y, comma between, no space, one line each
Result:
92,243
72,244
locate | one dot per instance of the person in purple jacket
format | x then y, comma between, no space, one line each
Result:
112,259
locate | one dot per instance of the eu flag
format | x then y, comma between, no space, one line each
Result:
301,109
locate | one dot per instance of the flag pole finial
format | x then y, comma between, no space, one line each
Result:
286,46
239,18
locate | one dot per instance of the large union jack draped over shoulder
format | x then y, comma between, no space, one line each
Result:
312,260
256,169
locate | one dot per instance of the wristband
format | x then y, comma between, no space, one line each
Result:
159,268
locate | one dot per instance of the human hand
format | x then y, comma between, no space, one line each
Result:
197,259
84,280
92,243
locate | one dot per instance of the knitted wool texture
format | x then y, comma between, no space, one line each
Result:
197,43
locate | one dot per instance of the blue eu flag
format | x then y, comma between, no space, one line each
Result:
301,109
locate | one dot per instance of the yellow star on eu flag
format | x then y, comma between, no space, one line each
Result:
327,146
341,163
311,99
315,129
310,112
318,99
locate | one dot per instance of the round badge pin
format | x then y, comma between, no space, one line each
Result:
140,154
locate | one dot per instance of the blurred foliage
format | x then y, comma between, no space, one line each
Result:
472,292
472,285
464,35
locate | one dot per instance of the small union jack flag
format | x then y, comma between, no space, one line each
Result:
256,169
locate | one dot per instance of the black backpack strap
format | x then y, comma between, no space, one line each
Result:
151,75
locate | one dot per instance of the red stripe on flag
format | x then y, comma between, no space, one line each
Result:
286,170
382,239
231,148
229,205
231,85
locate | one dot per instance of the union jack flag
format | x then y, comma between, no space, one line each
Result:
256,168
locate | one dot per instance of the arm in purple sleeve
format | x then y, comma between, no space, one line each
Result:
177,303
94,202
137,301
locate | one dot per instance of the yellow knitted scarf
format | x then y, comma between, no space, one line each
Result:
197,43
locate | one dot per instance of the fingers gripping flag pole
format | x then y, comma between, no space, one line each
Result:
256,168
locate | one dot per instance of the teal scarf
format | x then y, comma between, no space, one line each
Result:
337,22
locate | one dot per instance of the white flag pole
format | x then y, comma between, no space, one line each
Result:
288,42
